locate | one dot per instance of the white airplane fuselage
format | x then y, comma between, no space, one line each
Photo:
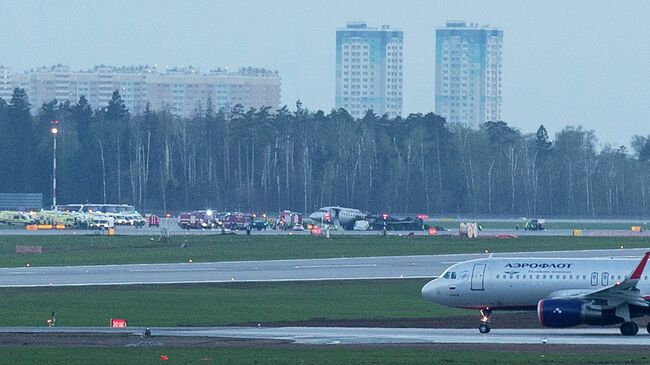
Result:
340,215
520,283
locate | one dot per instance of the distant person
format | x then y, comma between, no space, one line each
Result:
51,321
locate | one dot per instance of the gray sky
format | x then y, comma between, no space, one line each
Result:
565,62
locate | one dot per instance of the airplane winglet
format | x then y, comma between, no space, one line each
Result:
636,274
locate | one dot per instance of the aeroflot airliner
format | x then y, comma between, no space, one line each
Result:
565,292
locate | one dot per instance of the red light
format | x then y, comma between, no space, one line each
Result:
423,216
327,216
384,216
168,215
164,358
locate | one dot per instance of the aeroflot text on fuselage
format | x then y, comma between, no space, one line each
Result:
537,266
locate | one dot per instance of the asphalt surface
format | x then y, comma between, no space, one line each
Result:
383,267
347,335
371,336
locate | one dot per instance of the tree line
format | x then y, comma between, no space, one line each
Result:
268,160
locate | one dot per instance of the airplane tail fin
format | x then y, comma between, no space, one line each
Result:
635,276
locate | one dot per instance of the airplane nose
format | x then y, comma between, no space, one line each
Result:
430,291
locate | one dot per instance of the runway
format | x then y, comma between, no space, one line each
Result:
372,336
383,267
219,272
352,336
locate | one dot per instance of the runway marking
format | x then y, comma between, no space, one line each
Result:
158,270
333,265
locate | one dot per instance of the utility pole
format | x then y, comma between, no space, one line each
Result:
55,131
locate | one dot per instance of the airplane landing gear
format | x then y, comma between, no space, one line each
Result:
629,329
486,313
648,327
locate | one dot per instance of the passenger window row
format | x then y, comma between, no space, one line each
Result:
538,277
550,277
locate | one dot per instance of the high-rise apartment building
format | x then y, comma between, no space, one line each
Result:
183,91
369,70
469,73
9,81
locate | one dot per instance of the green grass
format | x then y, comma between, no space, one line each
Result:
306,355
80,250
219,304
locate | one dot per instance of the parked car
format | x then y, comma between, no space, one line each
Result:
259,224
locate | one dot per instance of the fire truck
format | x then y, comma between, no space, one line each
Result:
288,220
237,220
198,219
154,221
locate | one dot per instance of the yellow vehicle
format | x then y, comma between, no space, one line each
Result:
54,217
15,218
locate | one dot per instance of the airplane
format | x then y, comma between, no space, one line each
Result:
344,217
565,292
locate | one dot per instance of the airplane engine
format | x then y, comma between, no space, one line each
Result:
560,313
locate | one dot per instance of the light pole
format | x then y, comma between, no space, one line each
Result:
55,131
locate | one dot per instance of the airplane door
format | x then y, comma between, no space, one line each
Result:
594,278
605,279
477,277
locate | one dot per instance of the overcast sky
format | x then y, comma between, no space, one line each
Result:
565,62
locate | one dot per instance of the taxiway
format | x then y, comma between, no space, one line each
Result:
355,268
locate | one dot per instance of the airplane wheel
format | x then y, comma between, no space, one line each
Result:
484,328
629,329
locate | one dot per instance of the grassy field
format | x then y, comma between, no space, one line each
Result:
79,250
310,355
219,304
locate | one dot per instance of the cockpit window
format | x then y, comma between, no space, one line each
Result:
449,275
